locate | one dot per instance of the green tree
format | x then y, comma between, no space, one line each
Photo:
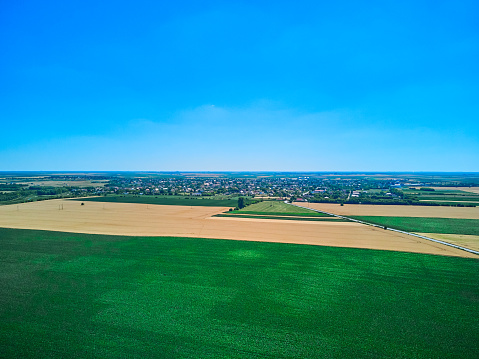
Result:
241,202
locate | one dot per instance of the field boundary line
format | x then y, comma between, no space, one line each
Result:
390,229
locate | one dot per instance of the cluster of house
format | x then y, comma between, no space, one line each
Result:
355,194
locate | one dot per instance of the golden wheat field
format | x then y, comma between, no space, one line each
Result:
185,221
396,211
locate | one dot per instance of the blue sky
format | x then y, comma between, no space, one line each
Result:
245,85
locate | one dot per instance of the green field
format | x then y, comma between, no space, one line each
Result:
426,225
450,198
278,208
166,200
293,218
68,295
452,203
446,197
436,192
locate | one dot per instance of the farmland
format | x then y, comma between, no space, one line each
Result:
196,221
151,275
164,200
426,225
457,225
397,211
463,240
291,218
444,197
277,208
71,295
462,189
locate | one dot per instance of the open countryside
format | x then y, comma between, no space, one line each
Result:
397,210
239,179
456,225
196,221
208,269
191,297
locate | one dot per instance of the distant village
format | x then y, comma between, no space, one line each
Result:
340,188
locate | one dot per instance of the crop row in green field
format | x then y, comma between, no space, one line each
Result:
88,296
166,200
284,216
426,225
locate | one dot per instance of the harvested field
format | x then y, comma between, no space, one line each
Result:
399,211
464,240
181,221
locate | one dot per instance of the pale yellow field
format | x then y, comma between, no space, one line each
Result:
464,240
185,221
466,189
399,211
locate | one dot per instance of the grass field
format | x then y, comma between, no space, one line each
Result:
293,218
278,208
166,200
92,296
426,225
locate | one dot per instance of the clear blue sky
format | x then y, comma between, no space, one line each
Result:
239,85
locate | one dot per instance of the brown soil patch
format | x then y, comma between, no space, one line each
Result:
396,211
464,240
185,221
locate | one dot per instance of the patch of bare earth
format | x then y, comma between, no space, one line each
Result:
184,221
396,211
